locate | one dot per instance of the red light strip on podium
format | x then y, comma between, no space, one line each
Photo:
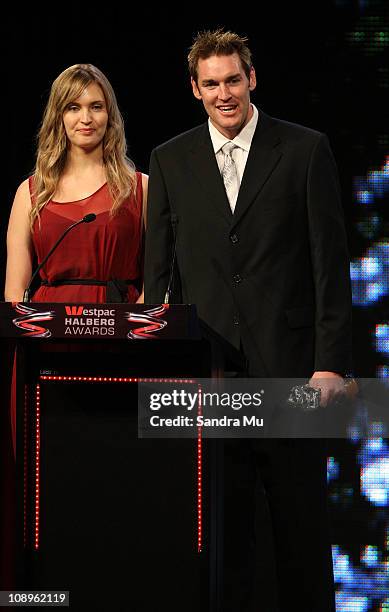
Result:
25,465
199,479
37,463
115,379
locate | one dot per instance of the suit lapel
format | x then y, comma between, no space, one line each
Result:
263,157
204,165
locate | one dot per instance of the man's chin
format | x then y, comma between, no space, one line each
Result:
232,129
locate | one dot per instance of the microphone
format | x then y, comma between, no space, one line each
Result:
168,290
87,219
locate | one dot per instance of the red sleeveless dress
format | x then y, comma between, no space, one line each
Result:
107,248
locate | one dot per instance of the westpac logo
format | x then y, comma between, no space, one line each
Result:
89,321
74,311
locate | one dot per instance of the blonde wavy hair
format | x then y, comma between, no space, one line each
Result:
52,141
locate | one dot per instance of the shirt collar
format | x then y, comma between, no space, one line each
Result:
242,140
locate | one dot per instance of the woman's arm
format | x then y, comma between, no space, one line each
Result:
19,246
145,181
145,184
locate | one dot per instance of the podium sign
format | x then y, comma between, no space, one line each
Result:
98,321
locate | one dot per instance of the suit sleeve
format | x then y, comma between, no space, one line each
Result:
330,260
159,235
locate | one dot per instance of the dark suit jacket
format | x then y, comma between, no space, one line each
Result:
277,268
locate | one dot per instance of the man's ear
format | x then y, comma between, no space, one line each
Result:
195,89
252,79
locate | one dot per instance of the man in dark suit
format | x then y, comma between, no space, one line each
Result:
261,250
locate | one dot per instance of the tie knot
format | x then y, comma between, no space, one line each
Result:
228,148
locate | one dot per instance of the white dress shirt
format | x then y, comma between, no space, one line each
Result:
242,141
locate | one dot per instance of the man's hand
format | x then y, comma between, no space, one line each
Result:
330,384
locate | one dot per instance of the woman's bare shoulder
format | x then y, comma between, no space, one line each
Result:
145,180
23,195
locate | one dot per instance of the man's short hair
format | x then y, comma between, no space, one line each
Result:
218,42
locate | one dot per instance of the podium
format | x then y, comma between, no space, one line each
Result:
121,523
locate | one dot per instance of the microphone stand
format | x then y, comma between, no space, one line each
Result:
87,219
168,290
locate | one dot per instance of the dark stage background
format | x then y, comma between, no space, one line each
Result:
325,66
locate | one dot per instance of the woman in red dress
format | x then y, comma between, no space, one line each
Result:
81,168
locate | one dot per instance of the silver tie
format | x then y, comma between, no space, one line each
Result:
230,174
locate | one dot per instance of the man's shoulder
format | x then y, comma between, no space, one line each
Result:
182,141
294,131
